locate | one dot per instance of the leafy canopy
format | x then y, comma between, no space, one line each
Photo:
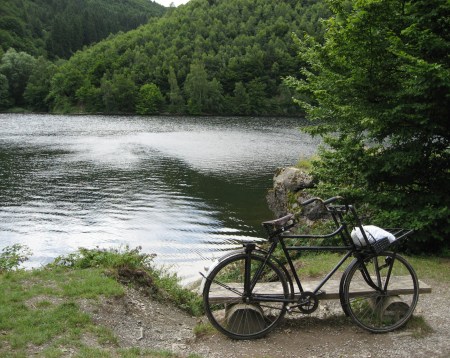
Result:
202,56
377,91
58,28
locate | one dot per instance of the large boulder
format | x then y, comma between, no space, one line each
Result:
287,181
292,179
289,192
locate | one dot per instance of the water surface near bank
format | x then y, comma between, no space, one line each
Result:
185,188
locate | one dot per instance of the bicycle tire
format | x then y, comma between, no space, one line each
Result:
232,312
391,301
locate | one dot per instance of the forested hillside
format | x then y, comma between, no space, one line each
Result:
58,28
208,57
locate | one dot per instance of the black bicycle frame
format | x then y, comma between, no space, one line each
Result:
286,249
279,236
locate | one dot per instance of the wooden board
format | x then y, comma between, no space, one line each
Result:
330,290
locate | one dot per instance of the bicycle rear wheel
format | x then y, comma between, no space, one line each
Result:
380,292
238,314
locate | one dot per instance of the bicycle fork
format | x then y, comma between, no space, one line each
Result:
379,286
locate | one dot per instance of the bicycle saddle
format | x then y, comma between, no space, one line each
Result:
279,222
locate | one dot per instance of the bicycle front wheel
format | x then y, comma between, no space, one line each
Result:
380,292
245,297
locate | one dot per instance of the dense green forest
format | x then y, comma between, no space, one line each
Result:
208,57
377,91
58,28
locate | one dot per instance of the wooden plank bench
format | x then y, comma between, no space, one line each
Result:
330,290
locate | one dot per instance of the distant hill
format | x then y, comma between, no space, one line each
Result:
58,28
206,57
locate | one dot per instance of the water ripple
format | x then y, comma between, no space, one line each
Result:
187,189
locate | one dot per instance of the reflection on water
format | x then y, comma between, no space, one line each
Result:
183,188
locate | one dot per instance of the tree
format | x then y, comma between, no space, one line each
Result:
150,99
230,41
214,98
175,98
377,90
89,97
38,85
119,93
64,87
240,102
4,92
17,68
257,93
196,88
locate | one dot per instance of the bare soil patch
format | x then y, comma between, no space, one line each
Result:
138,321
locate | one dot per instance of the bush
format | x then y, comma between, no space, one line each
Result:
12,256
131,266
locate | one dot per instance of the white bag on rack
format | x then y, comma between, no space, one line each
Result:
373,233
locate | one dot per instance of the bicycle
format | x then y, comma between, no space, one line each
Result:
249,291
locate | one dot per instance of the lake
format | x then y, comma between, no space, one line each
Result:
184,188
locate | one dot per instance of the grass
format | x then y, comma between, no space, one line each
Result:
38,309
170,289
40,312
318,264
435,268
204,329
419,327
306,164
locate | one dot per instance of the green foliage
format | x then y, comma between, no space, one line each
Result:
149,100
204,329
17,68
118,93
202,57
102,258
4,92
170,289
377,92
58,28
132,264
203,96
13,256
240,100
176,100
38,308
38,85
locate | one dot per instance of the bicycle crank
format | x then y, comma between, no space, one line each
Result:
307,303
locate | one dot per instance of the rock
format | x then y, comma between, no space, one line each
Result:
287,181
277,202
314,211
292,179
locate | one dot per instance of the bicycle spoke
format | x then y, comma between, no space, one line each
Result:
376,309
257,312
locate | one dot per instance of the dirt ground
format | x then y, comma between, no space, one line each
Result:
141,322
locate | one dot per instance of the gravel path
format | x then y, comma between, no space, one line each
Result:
337,336
140,322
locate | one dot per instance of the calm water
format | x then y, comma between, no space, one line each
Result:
184,188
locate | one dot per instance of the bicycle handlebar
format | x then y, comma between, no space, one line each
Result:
324,202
